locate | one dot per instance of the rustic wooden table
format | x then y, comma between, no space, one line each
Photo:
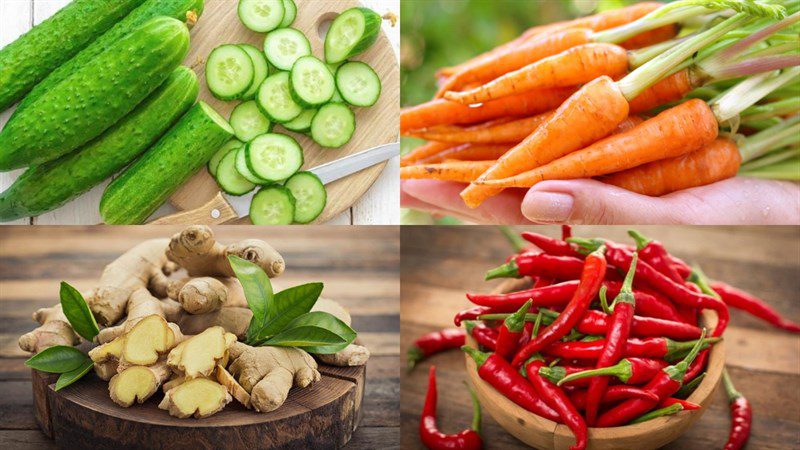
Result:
439,265
359,269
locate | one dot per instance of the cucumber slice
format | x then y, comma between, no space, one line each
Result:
311,82
285,46
358,84
301,123
229,179
353,32
333,125
290,14
248,121
233,144
274,157
261,67
275,99
272,205
261,15
244,170
229,72
309,194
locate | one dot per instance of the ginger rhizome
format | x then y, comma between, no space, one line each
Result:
199,355
196,398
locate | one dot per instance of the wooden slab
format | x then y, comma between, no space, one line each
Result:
321,416
376,125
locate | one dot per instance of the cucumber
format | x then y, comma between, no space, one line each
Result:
48,186
272,205
244,171
261,15
274,157
275,99
358,84
285,46
229,72
290,13
213,163
184,10
311,82
146,184
333,125
95,96
261,67
229,179
301,123
353,32
29,59
309,194
248,121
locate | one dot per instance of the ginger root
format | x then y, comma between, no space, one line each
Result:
199,355
199,397
142,345
137,383
203,295
234,388
352,355
54,330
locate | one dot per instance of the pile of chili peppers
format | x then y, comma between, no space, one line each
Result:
608,335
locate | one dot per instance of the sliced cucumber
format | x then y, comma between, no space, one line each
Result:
248,121
290,14
261,15
229,179
213,163
275,99
301,123
272,205
309,194
229,72
261,67
333,125
244,170
285,46
337,97
353,32
274,157
358,84
311,82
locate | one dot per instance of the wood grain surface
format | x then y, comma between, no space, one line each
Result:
359,267
438,265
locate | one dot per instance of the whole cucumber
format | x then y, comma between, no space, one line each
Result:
95,96
29,59
48,186
184,10
146,185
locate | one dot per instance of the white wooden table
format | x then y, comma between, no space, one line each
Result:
380,205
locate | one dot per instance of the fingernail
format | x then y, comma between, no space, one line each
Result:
548,207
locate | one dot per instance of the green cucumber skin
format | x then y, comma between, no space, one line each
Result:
177,9
179,154
29,59
372,28
48,186
95,96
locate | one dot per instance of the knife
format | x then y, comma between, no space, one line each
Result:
224,207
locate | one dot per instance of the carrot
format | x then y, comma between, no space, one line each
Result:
670,89
460,171
512,132
676,131
717,161
468,152
590,114
651,37
444,112
574,66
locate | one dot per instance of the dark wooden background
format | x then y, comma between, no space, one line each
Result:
440,264
359,266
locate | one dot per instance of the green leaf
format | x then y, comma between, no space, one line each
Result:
70,377
257,291
289,305
329,323
78,313
303,337
58,359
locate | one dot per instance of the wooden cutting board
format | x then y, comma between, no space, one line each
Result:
82,416
376,125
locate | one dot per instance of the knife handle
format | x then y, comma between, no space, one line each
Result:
215,212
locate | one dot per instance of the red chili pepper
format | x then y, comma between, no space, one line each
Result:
483,335
551,246
697,366
666,411
501,375
526,335
566,232
511,332
687,406
753,305
627,370
541,282
642,348
555,295
471,314
556,373
664,385
594,270
653,253
613,394
741,415
596,323
559,401
435,439
558,267
648,303
434,342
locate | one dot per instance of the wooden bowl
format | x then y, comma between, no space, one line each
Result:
542,433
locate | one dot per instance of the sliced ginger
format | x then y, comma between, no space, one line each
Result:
234,388
137,383
147,340
199,397
197,356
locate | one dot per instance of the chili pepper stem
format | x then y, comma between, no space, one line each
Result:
476,409
677,371
730,389
517,243
667,411
414,356
621,370
640,239
687,389
478,356
507,270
